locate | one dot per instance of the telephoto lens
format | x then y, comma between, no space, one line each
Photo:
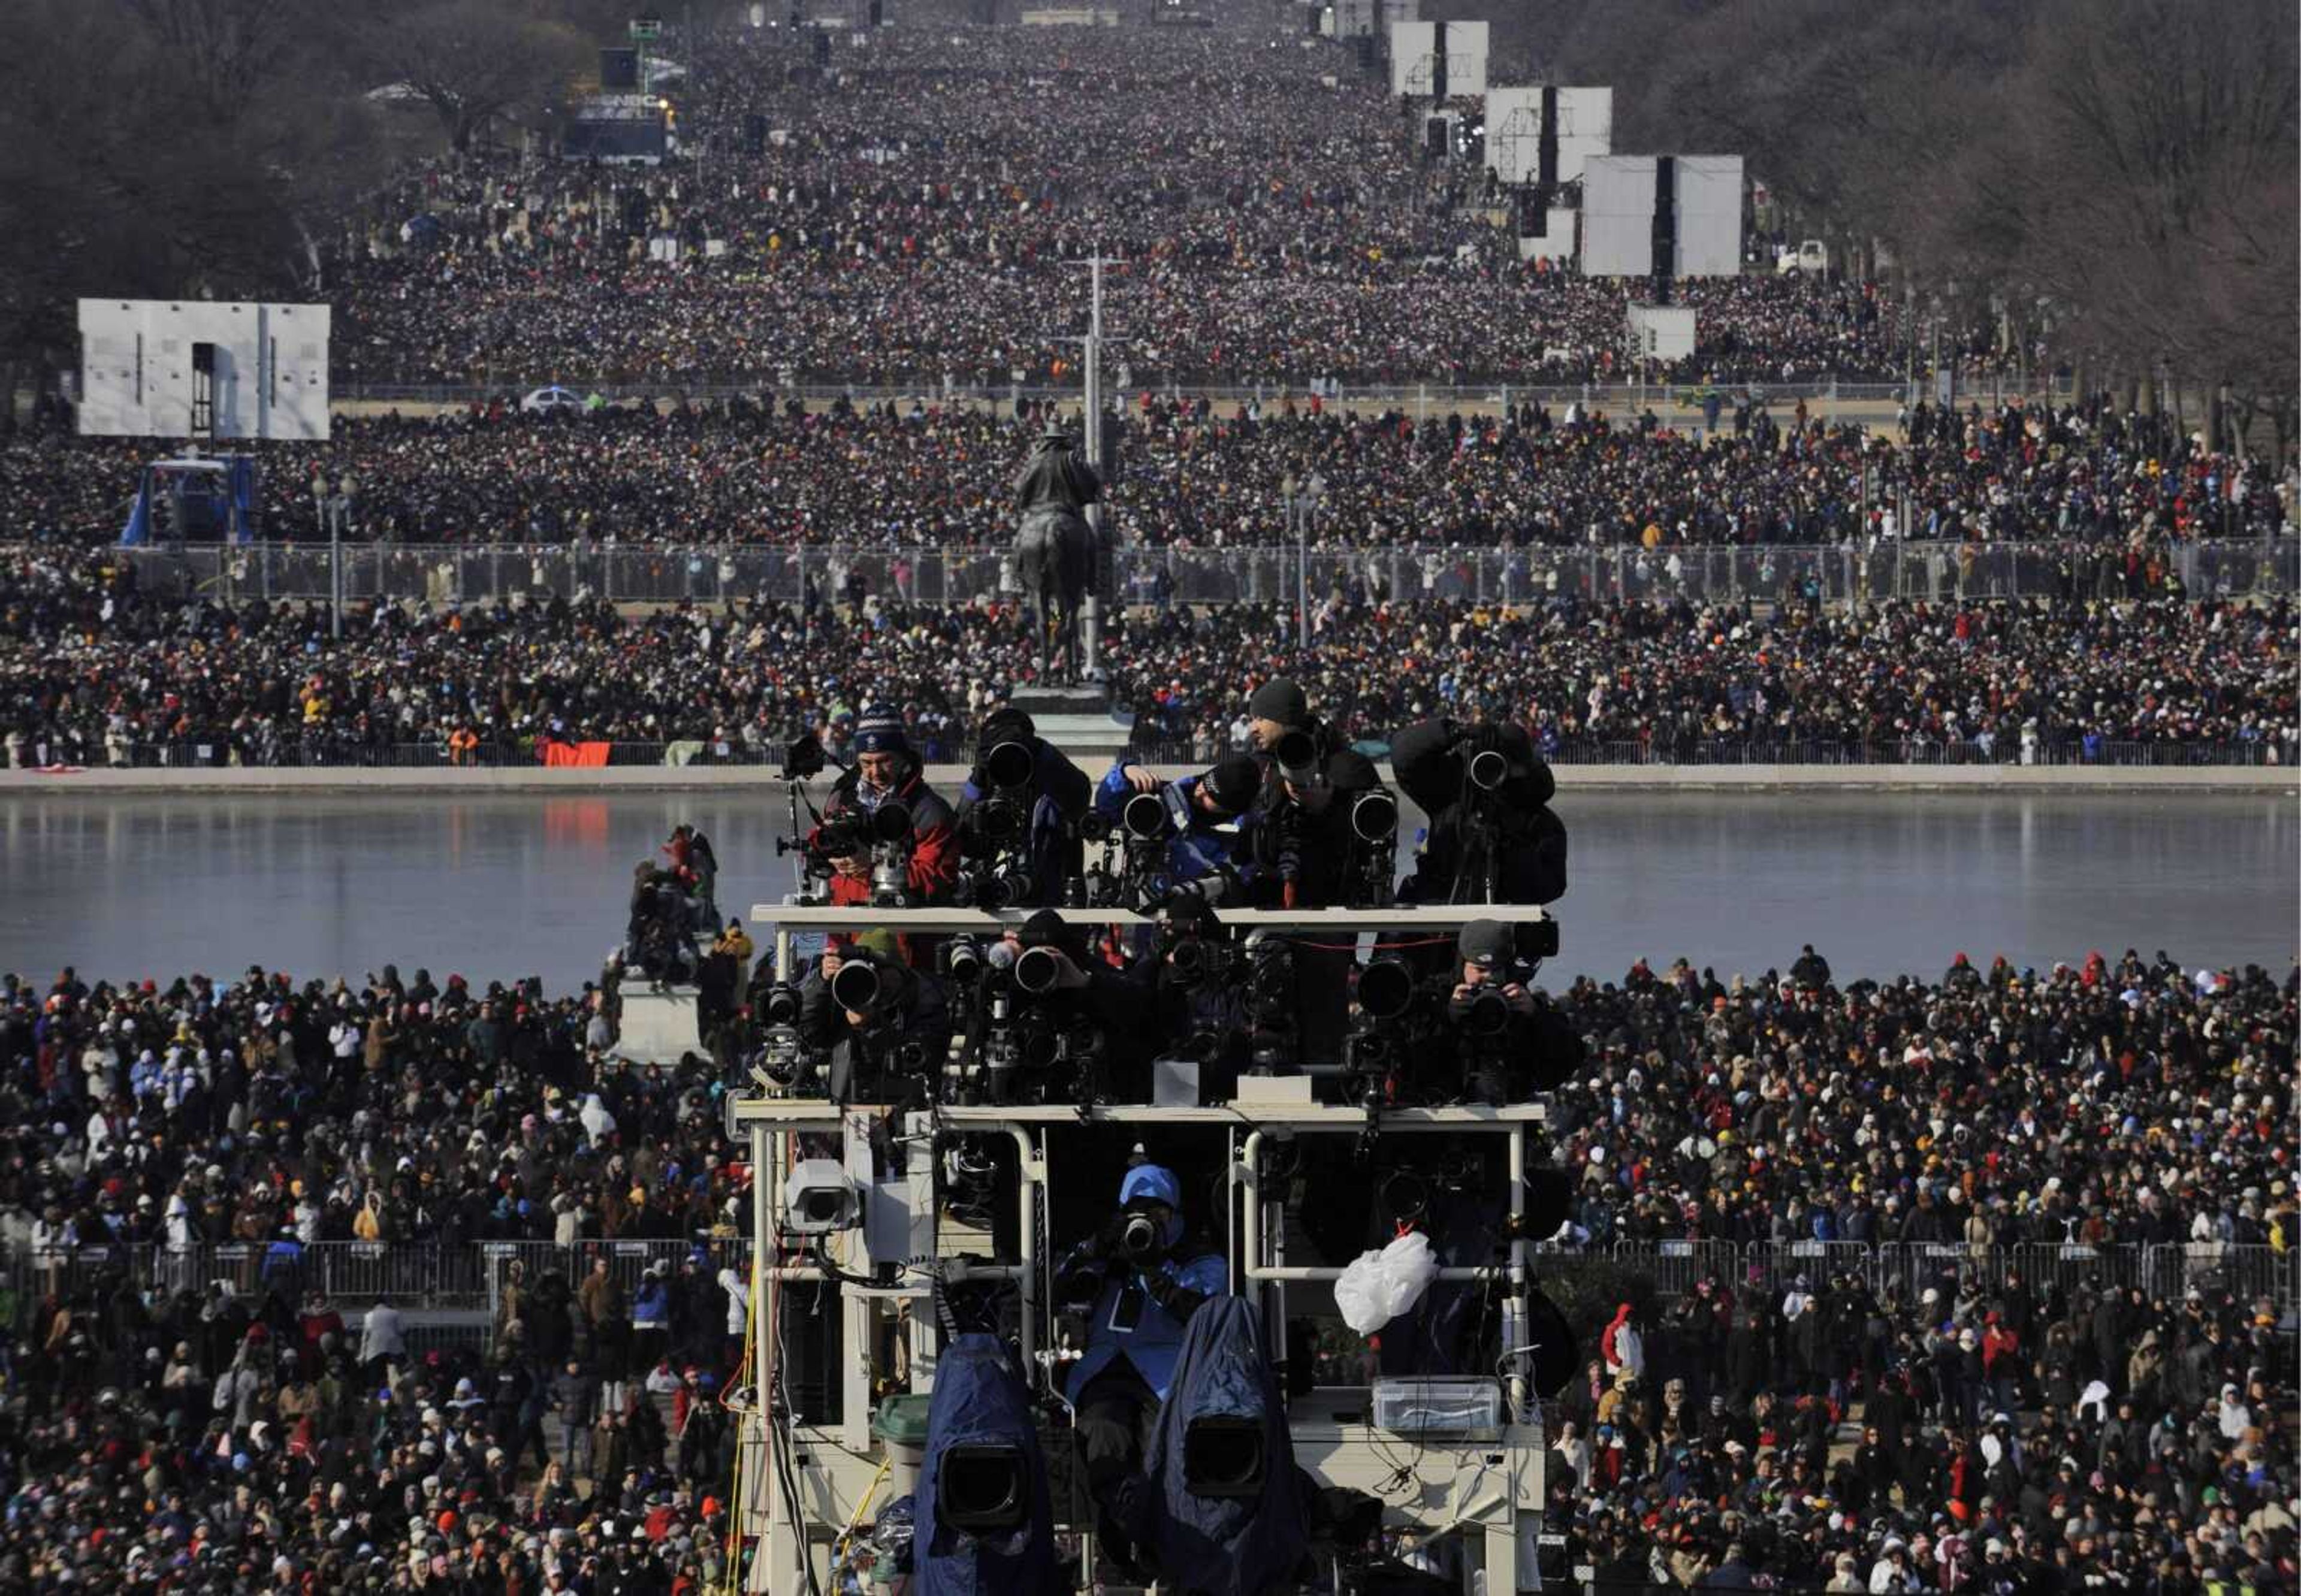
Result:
1003,890
890,821
1139,1237
962,959
856,987
1144,816
1487,1013
781,1007
1375,816
1386,989
1298,758
1488,770
1008,765
1037,970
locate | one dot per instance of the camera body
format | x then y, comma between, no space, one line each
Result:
996,870
1273,1004
1018,1042
782,1053
803,758
1388,1048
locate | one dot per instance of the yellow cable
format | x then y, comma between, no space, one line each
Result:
735,1501
839,1546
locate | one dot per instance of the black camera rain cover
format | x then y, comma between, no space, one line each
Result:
1232,1545
980,1401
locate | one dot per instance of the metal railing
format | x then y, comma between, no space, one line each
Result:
474,1275
1274,573
1424,397
407,1274
1907,1268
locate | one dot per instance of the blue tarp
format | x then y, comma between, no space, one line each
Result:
215,500
980,1401
1225,1545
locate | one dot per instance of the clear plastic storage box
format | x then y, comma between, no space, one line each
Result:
1449,1407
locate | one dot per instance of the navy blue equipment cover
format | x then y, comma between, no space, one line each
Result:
980,1401
1227,1545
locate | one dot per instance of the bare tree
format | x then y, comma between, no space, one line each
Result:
472,61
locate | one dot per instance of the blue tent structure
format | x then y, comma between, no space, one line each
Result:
1231,1516
194,498
985,1521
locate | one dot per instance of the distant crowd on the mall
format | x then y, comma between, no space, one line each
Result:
1964,1422
1192,474
924,212
97,670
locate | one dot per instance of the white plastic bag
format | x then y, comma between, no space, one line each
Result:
1363,1294
1409,1267
1379,1286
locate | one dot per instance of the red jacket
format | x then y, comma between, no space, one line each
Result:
934,857
935,843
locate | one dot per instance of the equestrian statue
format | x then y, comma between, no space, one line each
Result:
1055,551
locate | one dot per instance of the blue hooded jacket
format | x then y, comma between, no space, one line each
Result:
979,1400
1227,1545
1201,845
1157,1336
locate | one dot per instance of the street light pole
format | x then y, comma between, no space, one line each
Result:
1303,575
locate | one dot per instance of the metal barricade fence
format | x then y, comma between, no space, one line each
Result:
2250,1273
1269,574
472,1276
1778,1266
1677,1267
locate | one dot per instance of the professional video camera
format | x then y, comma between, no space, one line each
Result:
781,1053
1273,1004
1385,1057
1020,1042
995,870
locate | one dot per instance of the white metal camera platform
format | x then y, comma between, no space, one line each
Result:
1486,1494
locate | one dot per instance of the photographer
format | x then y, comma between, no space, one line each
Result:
1139,1281
885,771
1016,812
1068,1017
1305,850
1509,1042
1196,1008
880,1027
1303,837
1200,819
1493,837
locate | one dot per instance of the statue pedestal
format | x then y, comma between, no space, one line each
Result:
1077,719
1084,697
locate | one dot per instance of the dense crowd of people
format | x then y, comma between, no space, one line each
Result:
97,670
1192,474
2066,1429
243,1432
922,211
240,1433
1907,1406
